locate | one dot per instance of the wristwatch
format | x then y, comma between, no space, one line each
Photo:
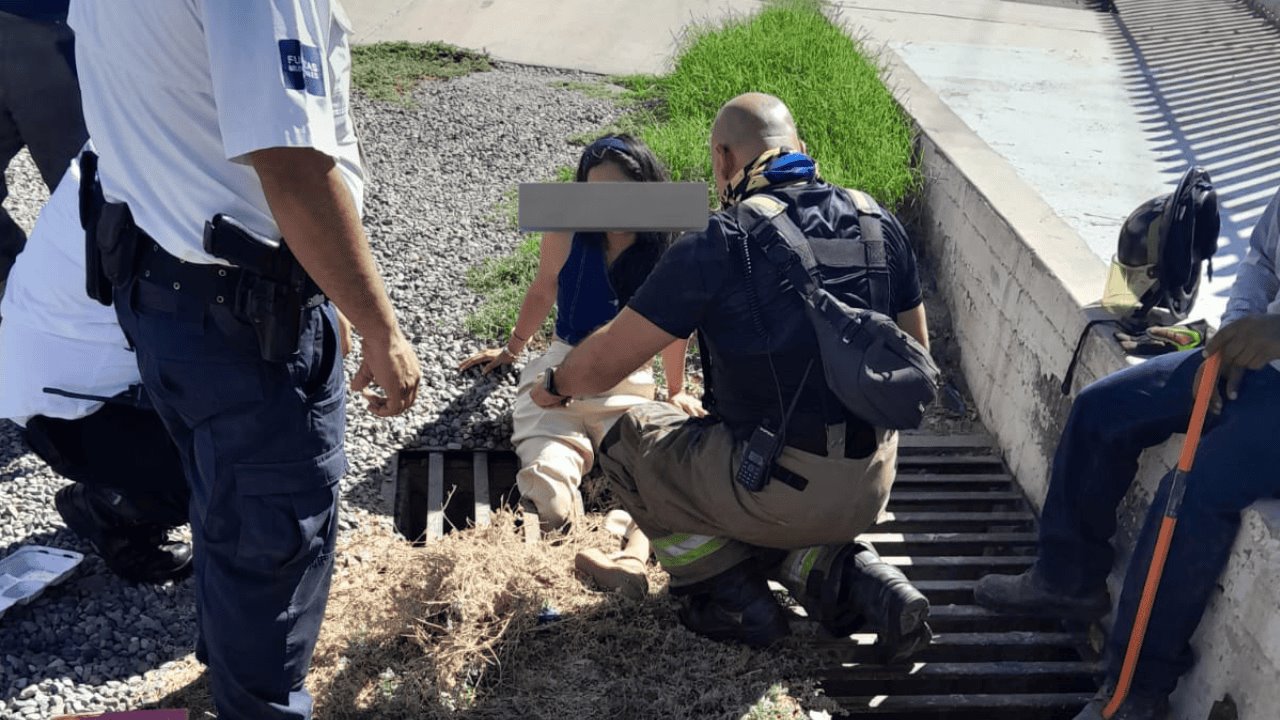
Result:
549,384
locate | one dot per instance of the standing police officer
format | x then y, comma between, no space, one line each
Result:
230,121
39,101
679,477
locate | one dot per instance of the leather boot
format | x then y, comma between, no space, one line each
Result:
624,570
736,606
859,590
134,549
1029,594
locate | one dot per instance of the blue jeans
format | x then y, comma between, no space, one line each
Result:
1111,423
262,449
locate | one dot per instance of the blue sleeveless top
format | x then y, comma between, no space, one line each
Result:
585,299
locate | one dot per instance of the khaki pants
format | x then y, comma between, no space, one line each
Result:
675,475
557,445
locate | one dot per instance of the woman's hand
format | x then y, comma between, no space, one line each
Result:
492,359
688,404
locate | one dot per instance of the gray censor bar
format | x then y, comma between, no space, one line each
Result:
622,206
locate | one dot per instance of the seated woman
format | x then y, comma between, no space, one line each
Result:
588,277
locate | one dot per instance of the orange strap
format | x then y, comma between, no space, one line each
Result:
1204,392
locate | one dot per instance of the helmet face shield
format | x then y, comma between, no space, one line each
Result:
1127,285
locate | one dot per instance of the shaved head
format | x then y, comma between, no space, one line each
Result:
753,123
746,127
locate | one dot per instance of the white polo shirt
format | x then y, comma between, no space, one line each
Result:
53,334
177,93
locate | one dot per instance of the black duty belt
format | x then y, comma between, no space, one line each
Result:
214,284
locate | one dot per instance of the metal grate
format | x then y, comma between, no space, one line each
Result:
955,514
439,490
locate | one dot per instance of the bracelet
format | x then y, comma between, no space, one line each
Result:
523,342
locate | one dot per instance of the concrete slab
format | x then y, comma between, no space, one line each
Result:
615,37
1099,112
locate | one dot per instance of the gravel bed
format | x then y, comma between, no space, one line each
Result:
440,173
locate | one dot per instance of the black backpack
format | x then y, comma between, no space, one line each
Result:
879,372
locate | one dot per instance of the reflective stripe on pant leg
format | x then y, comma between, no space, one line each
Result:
681,549
690,558
795,568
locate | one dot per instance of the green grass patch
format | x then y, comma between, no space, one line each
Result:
601,90
791,49
502,283
391,70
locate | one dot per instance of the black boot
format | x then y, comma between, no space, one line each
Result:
735,606
1029,594
861,590
134,549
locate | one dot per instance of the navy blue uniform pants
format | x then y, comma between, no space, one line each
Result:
39,109
261,446
1110,425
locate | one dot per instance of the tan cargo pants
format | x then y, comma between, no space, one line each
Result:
557,445
675,475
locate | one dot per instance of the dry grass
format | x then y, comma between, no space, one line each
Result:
481,625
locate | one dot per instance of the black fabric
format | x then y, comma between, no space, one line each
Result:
699,284
875,369
630,269
120,448
46,10
39,104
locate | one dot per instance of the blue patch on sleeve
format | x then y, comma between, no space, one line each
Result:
302,66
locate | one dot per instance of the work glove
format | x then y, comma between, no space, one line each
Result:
1162,339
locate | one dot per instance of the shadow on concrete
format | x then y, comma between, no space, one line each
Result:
1205,79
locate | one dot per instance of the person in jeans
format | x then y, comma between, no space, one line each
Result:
1111,423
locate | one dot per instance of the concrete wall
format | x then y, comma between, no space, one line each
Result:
1015,278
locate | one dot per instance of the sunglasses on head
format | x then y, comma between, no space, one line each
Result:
597,151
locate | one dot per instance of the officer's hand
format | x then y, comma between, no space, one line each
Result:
688,404
1247,344
393,366
344,334
492,359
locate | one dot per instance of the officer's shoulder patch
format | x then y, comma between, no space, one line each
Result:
302,66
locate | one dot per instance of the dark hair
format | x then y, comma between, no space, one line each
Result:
636,160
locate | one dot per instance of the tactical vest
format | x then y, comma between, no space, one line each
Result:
742,386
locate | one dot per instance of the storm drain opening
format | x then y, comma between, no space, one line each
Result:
955,514
441,490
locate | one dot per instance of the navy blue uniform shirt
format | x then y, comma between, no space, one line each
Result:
700,284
